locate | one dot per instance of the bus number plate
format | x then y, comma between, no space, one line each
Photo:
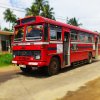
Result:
23,66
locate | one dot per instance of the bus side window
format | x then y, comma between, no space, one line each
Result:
82,37
58,35
74,35
89,38
59,31
53,35
55,32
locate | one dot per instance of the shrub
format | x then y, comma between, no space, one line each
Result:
5,59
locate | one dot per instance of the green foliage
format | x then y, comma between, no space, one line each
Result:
32,11
10,17
5,59
73,21
47,12
42,8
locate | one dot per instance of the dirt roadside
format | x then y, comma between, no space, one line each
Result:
8,68
8,72
89,92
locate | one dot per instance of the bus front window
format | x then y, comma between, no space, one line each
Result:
34,32
19,32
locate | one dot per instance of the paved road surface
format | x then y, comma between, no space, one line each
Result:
35,86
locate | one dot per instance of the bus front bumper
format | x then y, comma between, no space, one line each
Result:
36,64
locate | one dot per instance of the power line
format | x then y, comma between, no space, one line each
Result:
19,9
13,8
2,5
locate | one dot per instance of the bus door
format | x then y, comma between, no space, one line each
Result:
66,49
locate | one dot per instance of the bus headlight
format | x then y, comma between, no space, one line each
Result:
14,56
37,55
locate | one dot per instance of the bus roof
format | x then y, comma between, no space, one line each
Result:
68,26
50,21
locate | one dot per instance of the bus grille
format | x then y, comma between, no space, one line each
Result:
23,53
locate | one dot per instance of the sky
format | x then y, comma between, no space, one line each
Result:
87,12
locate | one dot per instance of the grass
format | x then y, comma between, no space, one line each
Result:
5,60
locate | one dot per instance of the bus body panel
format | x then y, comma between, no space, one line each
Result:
77,50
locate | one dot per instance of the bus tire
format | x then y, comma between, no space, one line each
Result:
53,67
89,58
26,70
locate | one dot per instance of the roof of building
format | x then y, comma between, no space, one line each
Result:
6,33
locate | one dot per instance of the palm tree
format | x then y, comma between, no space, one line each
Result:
73,21
40,3
9,16
40,7
47,12
36,8
32,11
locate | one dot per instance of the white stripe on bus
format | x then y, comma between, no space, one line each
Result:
81,43
39,43
56,42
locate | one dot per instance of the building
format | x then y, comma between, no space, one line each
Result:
5,41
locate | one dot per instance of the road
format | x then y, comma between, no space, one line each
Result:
15,85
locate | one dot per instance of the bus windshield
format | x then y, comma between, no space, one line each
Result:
34,32
19,32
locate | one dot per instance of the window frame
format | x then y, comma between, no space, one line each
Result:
22,38
81,34
56,29
86,37
74,33
42,29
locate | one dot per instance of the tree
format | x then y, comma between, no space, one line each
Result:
48,12
32,11
36,8
73,21
40,7
9,17
40,4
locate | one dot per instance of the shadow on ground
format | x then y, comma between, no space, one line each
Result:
37,73
42,74
7,76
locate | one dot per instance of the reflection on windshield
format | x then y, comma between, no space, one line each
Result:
19,32
34,32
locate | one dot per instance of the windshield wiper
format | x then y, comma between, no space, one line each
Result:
18,39
34,37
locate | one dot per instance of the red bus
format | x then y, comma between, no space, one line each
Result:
44,43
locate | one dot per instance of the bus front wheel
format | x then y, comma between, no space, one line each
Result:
53,67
